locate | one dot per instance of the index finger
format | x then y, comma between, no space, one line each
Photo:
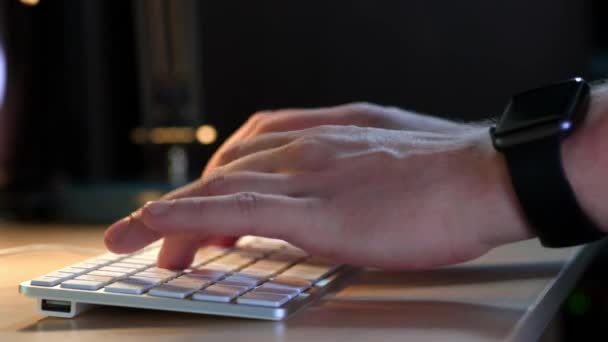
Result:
130,233
273,216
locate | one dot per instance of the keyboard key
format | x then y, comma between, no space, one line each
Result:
241,280
73,270
205,273
82,284
176,289
190,280
105,280
115,275
146,256
86,265
311,272
219,293
295,282
265,268
97,261
134,286
46,281
263,299
137,267
110,257
140,261
278,289
154,281
164,271
62,276
222,267
153,275
118,269
257,272
208,253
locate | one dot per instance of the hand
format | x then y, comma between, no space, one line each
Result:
359,195
130,233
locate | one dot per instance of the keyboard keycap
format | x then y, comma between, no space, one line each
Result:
263,299
46,281
309,271
86,265
139,261
115,275
88,285
219,293
241,280
73,270
282,290
295,282
105,280
129,266
154,281
63,276
110,257
118,269
208,253
205,273
164,271
174,290
134,286
153,275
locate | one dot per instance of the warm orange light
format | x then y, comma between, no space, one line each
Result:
171,135
206,134
30,2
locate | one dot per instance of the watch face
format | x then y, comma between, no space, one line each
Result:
557,105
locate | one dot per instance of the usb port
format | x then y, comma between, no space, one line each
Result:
56,305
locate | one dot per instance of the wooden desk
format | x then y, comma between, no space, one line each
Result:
509,294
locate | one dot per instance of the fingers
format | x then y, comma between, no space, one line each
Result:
265,183
298,119
239,214
250,146
239,135
178,251
290,120
129,234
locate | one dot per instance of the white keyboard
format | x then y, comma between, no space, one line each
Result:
258,278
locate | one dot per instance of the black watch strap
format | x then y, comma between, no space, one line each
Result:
550,201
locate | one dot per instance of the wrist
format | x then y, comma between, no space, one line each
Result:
505,219
585,161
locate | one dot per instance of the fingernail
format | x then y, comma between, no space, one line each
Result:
157,208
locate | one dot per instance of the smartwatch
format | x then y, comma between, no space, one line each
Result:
529,135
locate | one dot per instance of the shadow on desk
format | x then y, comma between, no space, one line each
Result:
460,298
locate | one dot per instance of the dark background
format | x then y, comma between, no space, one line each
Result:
73,96
77,67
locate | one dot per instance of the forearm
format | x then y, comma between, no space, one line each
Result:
585,159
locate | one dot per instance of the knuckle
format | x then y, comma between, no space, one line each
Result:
215,185
363,113
310,152
305,146
247,203
258,119
362,106
231,153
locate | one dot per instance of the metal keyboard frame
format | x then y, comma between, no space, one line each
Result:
67,303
